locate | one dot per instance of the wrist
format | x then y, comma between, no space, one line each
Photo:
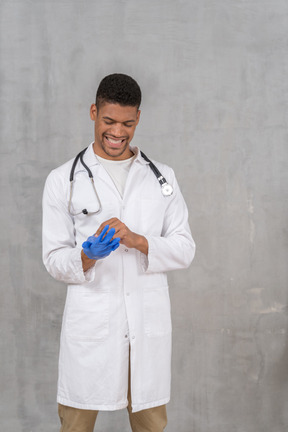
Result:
87,263
142,244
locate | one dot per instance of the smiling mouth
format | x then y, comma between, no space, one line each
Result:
114,142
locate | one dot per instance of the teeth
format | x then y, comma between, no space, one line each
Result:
114,141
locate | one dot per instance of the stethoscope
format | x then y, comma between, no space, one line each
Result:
166,188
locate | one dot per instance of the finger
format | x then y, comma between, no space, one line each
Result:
115,242
86,244
91,239
115,246
100,229
118,225
111,222
109,235
104,231
121,232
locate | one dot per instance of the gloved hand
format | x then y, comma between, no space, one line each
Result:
101,246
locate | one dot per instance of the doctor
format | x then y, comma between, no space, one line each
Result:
113,245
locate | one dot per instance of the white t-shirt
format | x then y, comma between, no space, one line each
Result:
118,171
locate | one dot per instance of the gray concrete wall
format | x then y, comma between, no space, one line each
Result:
214,79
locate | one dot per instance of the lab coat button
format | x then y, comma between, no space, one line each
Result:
133,337
127,293
126,250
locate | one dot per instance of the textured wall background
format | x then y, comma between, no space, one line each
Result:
214,79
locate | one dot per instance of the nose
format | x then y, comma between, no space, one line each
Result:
117,130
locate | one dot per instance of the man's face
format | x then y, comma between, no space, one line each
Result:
114,129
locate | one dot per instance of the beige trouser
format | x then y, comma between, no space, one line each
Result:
78,420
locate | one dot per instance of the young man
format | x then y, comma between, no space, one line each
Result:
112,239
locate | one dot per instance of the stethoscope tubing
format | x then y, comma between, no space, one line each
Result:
167,189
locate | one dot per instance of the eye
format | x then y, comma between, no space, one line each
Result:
128,125
108,122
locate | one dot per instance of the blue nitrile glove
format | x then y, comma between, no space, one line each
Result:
101,246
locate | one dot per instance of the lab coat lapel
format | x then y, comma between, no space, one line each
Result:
136,174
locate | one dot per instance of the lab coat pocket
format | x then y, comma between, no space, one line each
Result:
157,311
87,315
151,215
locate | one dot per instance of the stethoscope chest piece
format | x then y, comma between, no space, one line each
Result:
167,190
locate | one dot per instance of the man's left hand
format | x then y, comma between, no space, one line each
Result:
127,237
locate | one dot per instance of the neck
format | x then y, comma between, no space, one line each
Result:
127,153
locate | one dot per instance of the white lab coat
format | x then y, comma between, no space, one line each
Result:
123,300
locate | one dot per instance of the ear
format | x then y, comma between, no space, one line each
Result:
138,117
93,112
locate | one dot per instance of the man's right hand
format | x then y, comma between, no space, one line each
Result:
99,247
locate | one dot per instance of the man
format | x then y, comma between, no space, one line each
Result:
112,245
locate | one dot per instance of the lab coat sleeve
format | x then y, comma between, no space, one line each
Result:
61,255
175,248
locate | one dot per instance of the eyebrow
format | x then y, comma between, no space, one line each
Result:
126,121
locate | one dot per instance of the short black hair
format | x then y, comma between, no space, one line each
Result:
118,88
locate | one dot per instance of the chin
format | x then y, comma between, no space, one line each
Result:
115,152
